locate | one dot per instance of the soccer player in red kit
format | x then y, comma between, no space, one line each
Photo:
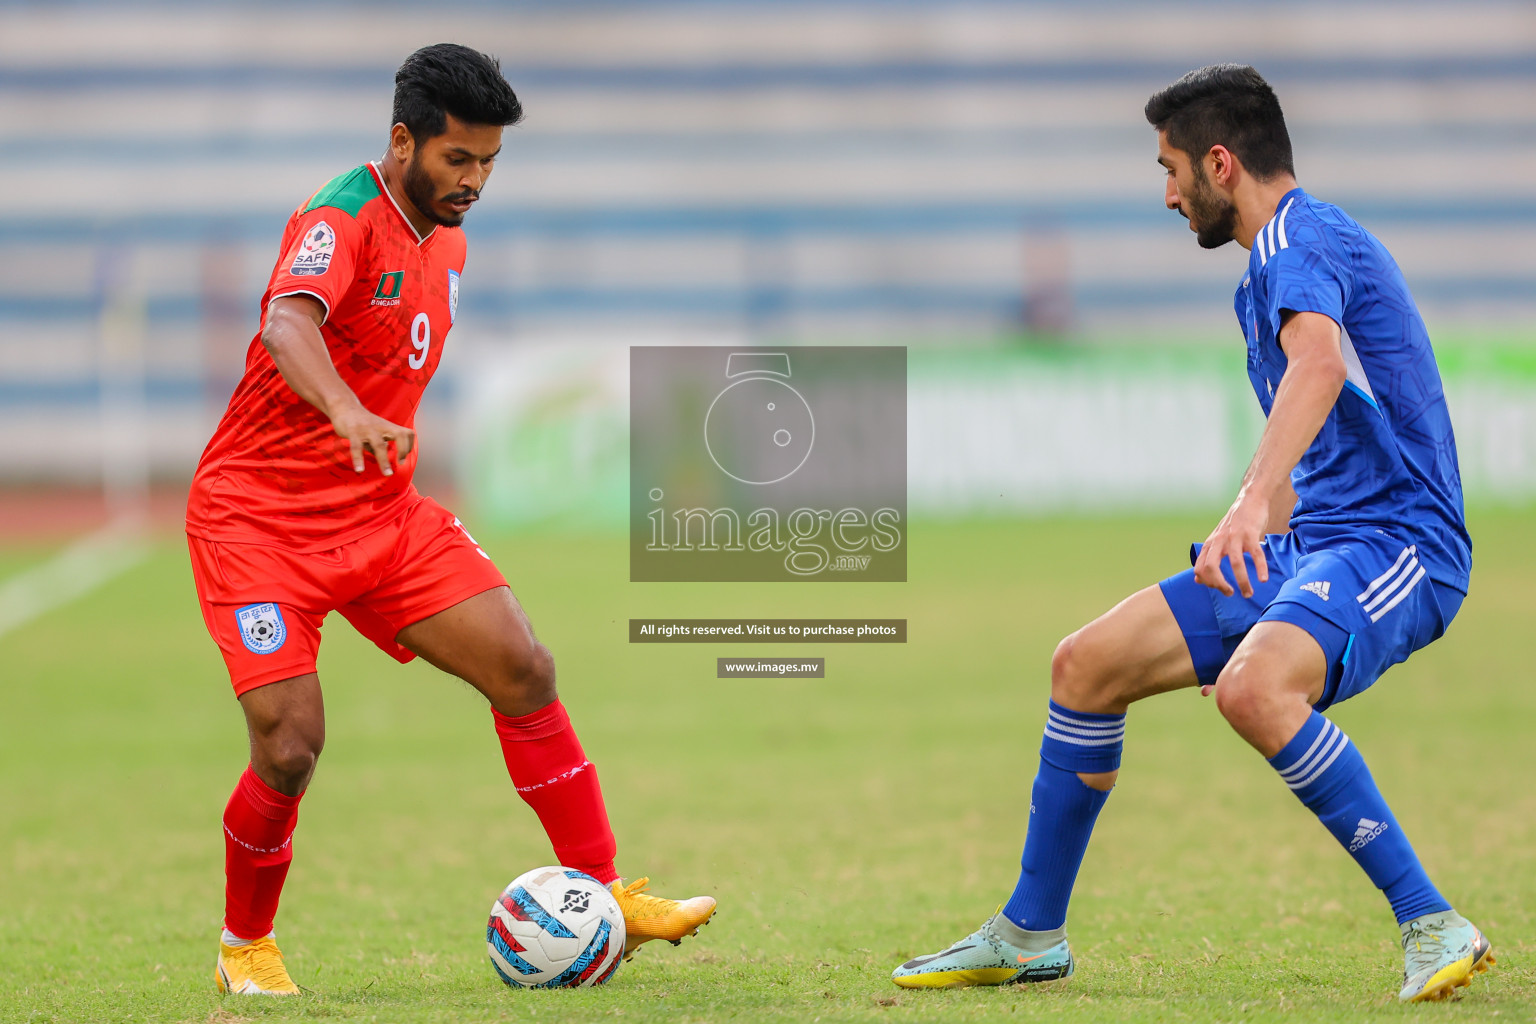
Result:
303,504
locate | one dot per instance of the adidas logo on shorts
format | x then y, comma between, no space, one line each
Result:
1319,587
1365,831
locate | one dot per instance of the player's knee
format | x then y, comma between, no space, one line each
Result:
286,759
530,676
1241,695
1078,679
541,672
1064,669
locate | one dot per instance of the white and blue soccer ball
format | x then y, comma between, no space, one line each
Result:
555,928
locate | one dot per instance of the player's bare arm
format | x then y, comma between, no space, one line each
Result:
1281,506
292,337
1308,389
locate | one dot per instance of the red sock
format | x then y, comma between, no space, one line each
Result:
258,846
554,777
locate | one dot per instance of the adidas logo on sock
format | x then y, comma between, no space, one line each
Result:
1365,831
1319,587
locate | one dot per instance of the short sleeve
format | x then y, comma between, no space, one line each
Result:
321,260
1304,280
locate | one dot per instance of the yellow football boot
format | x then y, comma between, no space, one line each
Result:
254,970
997,953
1442,952
652,917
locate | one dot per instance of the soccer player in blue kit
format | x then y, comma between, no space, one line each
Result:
1345,551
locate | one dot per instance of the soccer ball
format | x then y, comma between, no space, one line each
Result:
555,928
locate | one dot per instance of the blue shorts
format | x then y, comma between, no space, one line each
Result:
1363,596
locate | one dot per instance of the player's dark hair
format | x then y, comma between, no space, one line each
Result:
446,78
1225,105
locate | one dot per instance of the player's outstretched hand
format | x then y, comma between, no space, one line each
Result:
1240,532
368,432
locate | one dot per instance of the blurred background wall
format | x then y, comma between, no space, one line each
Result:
963,178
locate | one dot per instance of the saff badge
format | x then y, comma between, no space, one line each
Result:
453,296
315,251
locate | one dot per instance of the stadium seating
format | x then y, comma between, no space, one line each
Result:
741,169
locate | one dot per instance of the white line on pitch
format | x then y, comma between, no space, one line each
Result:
74,572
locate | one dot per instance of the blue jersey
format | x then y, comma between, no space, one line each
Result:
1386,457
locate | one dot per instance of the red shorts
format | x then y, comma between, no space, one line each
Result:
264,605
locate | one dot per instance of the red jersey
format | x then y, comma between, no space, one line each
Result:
275,471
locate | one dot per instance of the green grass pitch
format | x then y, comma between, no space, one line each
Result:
844,823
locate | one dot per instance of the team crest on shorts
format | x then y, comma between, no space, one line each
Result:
262,629
315,251
453,296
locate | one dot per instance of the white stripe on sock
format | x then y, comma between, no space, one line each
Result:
1056,723
1087,723
1330,745
1338,749
1082,742
1317,741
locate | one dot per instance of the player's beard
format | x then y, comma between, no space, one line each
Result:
422,194
1214,218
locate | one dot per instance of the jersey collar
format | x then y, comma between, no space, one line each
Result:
378,176
1272,237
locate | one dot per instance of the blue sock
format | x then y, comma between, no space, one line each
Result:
1062,811
1327,773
